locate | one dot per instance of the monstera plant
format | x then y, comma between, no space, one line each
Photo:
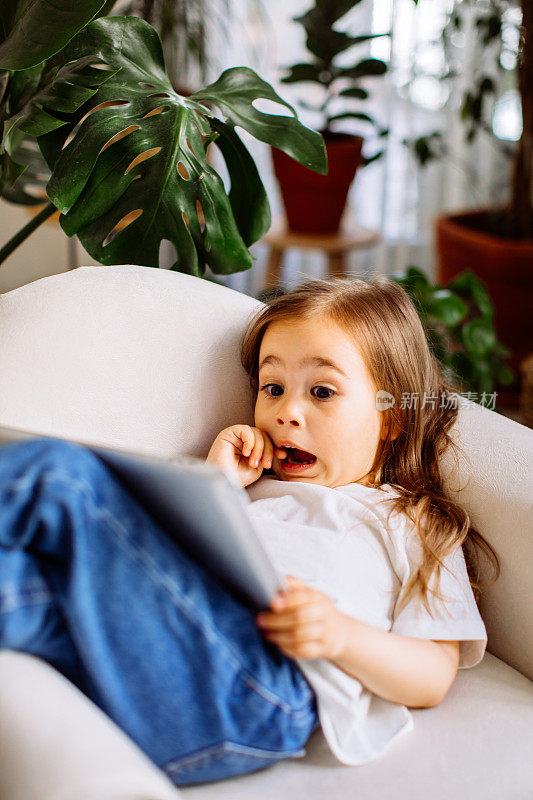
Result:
127,153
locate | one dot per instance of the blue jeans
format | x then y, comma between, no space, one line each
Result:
90,584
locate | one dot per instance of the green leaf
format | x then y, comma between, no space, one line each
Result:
33,30
30,175
500,350
10,171
364,69
124,194
303,72
248,199
64,89
413,280
352,115
367,37
464,367
447,307
481,298
423,150
235,92
332,10
374,157
324,42
354,91
503,373
483,379
469,285
478,337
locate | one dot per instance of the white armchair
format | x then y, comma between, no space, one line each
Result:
147,359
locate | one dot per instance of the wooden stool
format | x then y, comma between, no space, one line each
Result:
351,236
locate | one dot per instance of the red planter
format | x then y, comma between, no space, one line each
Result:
315,203
506,268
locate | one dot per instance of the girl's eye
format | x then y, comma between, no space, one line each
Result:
274,387
322,392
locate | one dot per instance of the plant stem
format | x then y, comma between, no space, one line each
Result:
24,232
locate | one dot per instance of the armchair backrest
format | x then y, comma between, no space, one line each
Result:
146,359
125,356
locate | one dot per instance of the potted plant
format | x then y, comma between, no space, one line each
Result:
459,324
127,153
313,203
497,242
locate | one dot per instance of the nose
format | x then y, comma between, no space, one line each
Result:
291,413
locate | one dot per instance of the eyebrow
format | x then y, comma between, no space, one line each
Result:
312,361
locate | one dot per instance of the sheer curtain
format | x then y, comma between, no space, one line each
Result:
393,195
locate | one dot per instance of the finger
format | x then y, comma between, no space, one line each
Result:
294,587
308,649
314,626
257,451
279,453
301,616
268,453
293,598
312,632
246,435
292,579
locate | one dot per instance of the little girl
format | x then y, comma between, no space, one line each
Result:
346,494
352,414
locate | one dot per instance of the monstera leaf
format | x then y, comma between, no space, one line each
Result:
38,96
130,169
30,189
58,88
32,31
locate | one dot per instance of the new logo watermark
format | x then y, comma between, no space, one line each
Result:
384,400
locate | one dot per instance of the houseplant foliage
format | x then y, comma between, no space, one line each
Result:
33,31
317,207
337,81
459,323
128,153
496,241
476,105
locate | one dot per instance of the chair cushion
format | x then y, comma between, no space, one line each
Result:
476,745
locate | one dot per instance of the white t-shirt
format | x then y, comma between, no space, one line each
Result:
336,541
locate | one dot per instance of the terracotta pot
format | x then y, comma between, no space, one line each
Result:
315,203
506,268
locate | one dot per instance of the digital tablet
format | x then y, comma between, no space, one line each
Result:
199,507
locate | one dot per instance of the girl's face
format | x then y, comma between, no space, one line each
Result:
316,395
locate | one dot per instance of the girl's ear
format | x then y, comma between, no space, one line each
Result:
388,423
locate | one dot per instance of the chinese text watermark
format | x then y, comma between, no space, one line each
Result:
413,400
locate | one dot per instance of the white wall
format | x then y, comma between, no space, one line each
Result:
45,252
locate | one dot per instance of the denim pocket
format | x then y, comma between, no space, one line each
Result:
224,760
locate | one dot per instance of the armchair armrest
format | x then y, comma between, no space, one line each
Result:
57,744
493,480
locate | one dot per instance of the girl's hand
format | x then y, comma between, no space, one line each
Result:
243,451
304,623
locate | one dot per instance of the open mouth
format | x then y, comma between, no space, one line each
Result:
296,460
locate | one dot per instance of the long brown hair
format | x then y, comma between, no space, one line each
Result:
415,428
